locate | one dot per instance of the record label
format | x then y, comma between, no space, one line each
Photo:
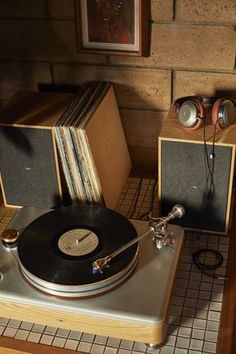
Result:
78,242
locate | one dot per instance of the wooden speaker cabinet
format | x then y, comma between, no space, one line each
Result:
29,164
196,170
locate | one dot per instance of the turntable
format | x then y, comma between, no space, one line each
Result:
88,268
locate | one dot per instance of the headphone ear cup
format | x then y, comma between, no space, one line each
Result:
223,113
191,114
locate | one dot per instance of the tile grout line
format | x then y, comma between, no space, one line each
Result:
168,348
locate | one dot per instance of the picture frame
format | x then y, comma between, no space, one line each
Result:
113,27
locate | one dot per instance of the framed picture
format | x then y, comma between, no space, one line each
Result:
113,26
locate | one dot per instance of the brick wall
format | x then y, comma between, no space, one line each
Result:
193,44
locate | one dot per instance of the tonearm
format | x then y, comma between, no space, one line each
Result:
159,235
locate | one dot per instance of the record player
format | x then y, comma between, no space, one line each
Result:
90,269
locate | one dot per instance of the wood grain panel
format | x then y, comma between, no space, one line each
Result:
135,331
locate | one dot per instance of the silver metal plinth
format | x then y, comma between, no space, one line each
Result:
142,298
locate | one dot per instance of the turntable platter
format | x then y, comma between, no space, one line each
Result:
57,250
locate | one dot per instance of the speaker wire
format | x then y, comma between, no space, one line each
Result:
208,195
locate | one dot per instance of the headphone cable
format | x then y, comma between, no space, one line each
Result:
206,268
209,192
209,171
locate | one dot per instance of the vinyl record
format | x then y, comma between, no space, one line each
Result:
57,250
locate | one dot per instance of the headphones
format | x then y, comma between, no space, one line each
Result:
191,111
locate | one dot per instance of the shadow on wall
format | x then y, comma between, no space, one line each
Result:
47,60
27,59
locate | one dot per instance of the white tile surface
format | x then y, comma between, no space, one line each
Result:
171,340
212,326
167,350
109,350
26,325
183,342
196,344
21,334
198,333
14,323
198,323
141,347
50,330
71,344
187,321
188,302
201,314
86,337
123,351
195,307
181,351
213,316
209,347
84,347
75,335
62,332
211,336
10,332
97,349
215,306
185,332
113,342
38,328
46,339
59,342
101,340
126,344
34,337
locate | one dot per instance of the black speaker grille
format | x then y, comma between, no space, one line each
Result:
201,187
27,165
